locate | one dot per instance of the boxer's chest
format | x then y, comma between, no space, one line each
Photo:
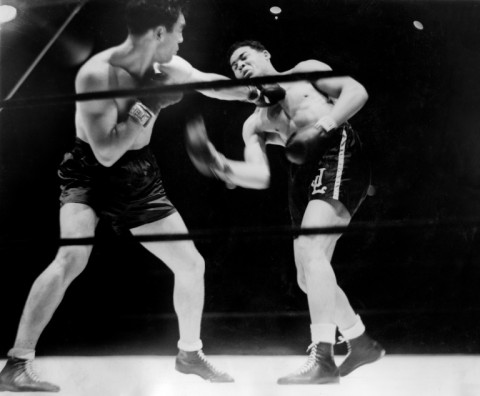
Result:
274,119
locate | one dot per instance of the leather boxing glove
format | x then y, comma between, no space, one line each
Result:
204,156
266,95
156,102
310,142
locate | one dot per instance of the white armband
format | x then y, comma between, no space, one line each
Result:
141,113
326,123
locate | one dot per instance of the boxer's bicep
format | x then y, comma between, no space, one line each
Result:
254,152
254,142
101,121
108,132
97,117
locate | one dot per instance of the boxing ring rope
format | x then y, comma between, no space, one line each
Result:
45,49
237,233
280,231
164,89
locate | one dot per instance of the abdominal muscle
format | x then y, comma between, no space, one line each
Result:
305,106
297,112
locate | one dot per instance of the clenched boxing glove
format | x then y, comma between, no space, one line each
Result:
266,95
311,141
204,156
156,102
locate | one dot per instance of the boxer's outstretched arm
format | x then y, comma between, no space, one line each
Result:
241,93
180,71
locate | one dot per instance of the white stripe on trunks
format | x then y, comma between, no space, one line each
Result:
341,159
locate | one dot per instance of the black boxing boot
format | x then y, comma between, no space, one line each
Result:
361,350
320,368
18,376
196,363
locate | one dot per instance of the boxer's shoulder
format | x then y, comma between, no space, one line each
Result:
178,69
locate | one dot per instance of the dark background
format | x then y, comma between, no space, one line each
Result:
416,287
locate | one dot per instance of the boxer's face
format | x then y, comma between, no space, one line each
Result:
171,40
247,62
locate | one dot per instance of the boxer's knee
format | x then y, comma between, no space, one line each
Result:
192,266
69,263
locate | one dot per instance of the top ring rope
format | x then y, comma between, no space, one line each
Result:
125,93
45,49
289,232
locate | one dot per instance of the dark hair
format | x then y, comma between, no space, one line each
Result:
256,45
143,15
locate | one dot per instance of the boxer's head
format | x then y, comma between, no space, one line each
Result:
248,59
143,15
163,20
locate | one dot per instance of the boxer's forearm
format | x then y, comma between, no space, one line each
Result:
112,147
247,175
235,93
241,93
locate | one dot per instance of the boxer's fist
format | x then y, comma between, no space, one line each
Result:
307,144
272,93
153,79
167,99
204,156
267,95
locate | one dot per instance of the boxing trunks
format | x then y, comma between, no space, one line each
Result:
127,194
341,173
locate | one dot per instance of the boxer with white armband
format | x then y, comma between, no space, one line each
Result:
112,174
329,178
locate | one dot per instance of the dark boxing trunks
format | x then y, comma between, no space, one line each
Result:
342,173
128,194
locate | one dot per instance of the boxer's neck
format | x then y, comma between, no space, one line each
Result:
136,54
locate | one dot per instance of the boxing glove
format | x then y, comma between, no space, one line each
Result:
311,141
202,152
156,102
266,95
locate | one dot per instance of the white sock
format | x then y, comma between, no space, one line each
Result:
22,353
323,332
190,346
355,331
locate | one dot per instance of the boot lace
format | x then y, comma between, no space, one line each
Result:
343,340
31,372
311,360
204,359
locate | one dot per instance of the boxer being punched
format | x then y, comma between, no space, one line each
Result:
328,181
111,174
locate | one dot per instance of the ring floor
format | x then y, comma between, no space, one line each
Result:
397,375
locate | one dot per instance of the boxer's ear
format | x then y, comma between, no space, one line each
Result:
160,32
